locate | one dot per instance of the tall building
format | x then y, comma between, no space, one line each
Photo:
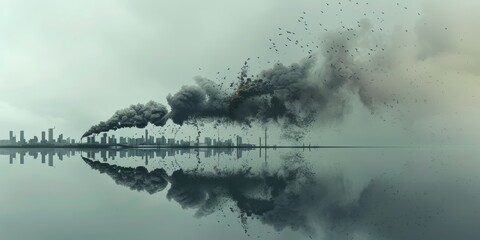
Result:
208,141
12,138
22,137
103,139
112,140
239,141
161,140
60,139
44,140
50,136
266,144
146,136
91,139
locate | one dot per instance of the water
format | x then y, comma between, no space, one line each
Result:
417,193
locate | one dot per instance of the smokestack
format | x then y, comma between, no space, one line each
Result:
266,145
260,141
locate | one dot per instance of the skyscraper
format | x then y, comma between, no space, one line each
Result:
43,138
60,139
22,137
208,141
239,141
103,139
146,137
12,139
50,135
266,144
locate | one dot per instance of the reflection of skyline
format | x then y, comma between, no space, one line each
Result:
45,155
48,154
294,196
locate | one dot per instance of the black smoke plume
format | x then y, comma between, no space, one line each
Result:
139,116
299,94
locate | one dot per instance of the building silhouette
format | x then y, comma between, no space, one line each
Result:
44,140
22,137
107,140
50,136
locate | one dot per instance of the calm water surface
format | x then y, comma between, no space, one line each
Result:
418,193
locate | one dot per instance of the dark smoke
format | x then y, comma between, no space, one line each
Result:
139,116
316,88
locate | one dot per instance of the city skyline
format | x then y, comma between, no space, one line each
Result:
106,139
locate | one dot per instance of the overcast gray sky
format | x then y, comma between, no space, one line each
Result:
71,64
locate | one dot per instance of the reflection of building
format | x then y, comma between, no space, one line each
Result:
50,159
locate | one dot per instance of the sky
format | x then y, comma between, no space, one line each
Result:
72,64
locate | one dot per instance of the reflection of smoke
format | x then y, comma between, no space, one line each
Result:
204,192
296,199
294,95
139,178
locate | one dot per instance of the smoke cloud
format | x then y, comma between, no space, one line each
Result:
417,73
139,116
317,87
